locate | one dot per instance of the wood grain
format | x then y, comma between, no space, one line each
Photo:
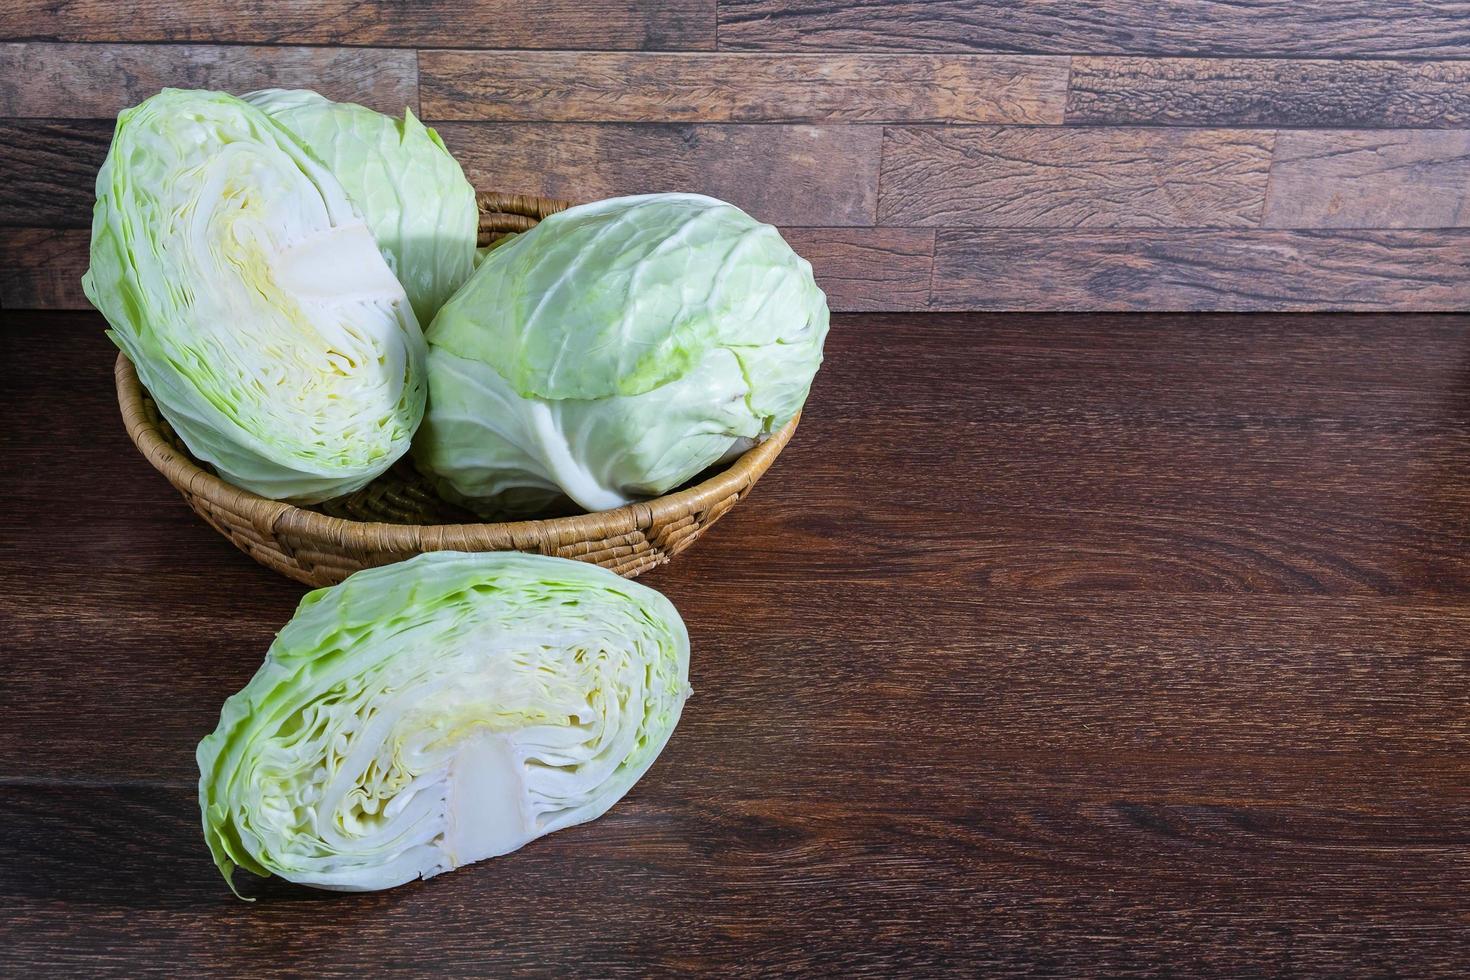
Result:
51,171
41,268
84,81
794,175
1314,29
743,886
614,87
984,123
869,268
1405,179
1123,677
1078,645
876,269
1268,92
617,24
1073,178
999,269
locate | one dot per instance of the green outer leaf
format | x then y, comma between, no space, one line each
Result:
616,350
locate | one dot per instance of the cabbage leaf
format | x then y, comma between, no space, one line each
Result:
616,350
410,190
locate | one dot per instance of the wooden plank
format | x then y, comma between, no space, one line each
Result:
1268,92
1020,269
1073,178
85,81
868,268
1291,834
1252,28
608,24
988,886
1404,179
568,86
860,269
890,269
41,268
51,171
794,175
791,175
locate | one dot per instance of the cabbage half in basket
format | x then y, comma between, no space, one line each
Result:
439,711
252,299
616,350
409,189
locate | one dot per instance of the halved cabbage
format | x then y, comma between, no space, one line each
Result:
450,708
616,350
408,187
252,299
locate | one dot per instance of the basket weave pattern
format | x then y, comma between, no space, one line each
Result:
398,515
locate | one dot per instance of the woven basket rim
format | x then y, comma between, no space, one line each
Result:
187,475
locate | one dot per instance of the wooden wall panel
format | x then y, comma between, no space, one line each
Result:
1169,269
869,129
613,24
858,268
797,175
50,169
1264,92
1310,28
1405,179
1068,178
571,86
88,81
869,268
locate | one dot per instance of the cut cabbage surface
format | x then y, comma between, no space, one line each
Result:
252,299
410,190
443,710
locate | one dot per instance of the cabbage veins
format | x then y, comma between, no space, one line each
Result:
616,350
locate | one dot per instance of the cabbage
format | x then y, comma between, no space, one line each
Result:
450,708
616,350
252,299
409,189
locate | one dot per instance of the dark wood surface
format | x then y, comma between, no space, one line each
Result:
1307,28
1053,645
927,154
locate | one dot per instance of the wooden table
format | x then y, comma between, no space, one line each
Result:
1053,645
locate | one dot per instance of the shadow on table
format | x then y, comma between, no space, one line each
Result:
136,847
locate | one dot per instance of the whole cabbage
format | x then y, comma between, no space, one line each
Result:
409,189
252,299
447,709
616,350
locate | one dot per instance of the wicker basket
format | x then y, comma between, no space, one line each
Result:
398,515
